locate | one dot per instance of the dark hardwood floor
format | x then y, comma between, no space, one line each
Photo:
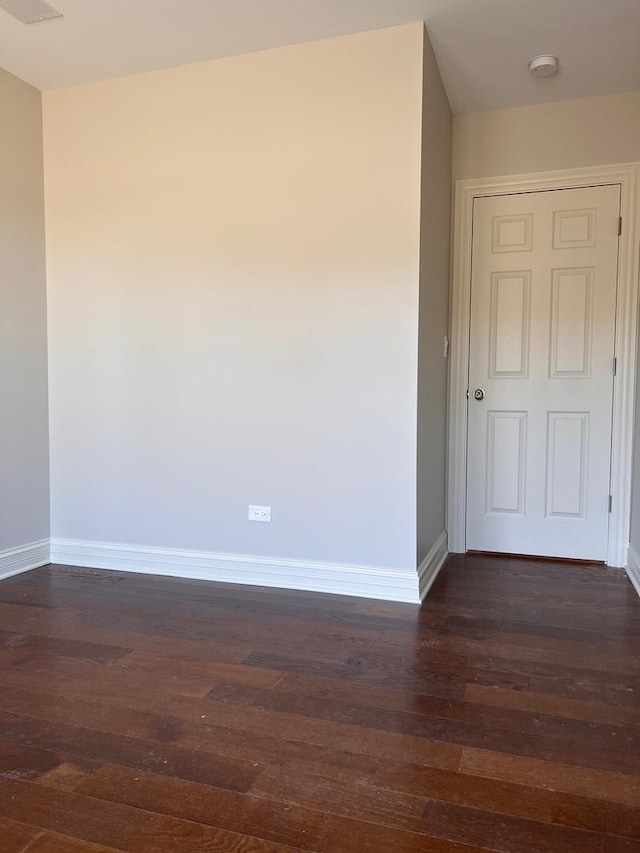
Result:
155,715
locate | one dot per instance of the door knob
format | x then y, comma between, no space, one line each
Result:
478,394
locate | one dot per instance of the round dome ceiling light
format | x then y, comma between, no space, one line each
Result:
543,66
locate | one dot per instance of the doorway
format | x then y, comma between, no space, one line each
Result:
541,372
543,364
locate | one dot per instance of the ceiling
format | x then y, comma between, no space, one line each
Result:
482,46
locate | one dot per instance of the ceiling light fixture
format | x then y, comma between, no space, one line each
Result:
543,66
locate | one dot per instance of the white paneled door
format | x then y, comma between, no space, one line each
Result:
541,372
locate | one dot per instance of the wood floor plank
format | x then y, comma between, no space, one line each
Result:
337,735
268,819
16,837
174,667
144,714
559,706
72,815
390,673
586,687
366,694
579,780
51,842
26,647
505,647
72,629
426,715
137,753
21,761
108,677
351,836
93,715
516,800
118,826
515,835
68,775
480,627
250,747
350,797
615,749
218,624
114,716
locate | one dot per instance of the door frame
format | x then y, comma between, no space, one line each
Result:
627,175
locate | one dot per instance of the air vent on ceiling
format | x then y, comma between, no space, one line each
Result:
29,11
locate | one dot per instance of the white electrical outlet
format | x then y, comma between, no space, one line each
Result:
260,513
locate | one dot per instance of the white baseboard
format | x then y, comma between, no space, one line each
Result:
341,579
633,567
13,561
429,568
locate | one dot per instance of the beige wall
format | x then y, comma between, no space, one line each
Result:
564,135
434,305
24,465
233,254
569,134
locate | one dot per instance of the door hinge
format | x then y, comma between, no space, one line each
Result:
619,226
615,366
610,502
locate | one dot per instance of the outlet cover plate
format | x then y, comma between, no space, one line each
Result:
260,513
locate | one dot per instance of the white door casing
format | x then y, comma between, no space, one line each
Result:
466,192
543,299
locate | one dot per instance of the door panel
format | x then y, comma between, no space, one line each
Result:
543,296
506,461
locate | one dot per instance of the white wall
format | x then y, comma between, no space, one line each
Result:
24,464
570,134
434,306
233,253
563,135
